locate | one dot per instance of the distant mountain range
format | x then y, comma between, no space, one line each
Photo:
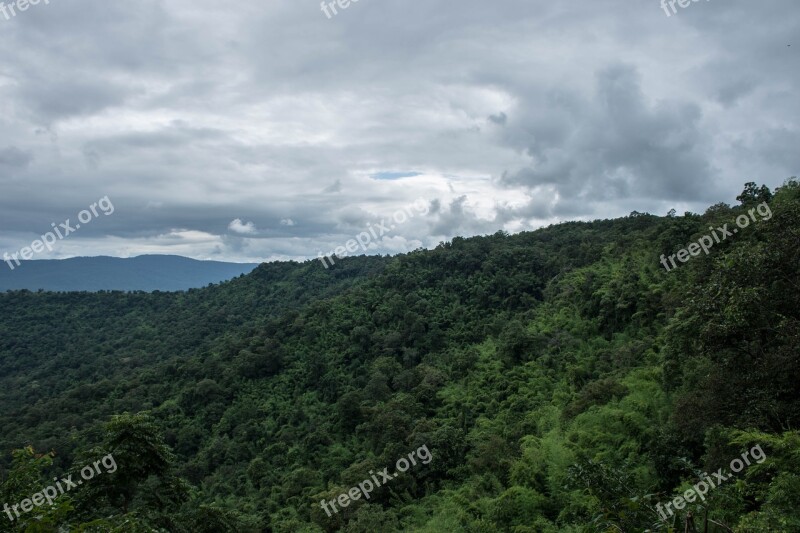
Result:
143,273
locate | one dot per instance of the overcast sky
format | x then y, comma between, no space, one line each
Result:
263,130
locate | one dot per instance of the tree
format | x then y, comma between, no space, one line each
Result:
26,477
752,194
144,467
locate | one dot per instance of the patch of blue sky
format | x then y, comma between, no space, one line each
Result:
394,175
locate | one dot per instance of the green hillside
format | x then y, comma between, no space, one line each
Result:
561,379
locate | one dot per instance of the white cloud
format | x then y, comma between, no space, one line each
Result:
237,226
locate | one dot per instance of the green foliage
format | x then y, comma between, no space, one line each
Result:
562,380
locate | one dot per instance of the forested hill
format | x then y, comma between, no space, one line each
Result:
562,380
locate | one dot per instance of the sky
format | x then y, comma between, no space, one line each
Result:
263,130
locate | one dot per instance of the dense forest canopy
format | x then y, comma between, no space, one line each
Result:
561,380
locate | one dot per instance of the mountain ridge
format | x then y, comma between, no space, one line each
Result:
151,272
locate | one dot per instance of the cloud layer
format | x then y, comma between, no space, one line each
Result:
257,131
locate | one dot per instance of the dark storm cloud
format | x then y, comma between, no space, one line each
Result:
617,145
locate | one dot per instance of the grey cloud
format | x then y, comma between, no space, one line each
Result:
458,219
336,186
618,145
192,114
500,119
14,157
52,100
730,93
